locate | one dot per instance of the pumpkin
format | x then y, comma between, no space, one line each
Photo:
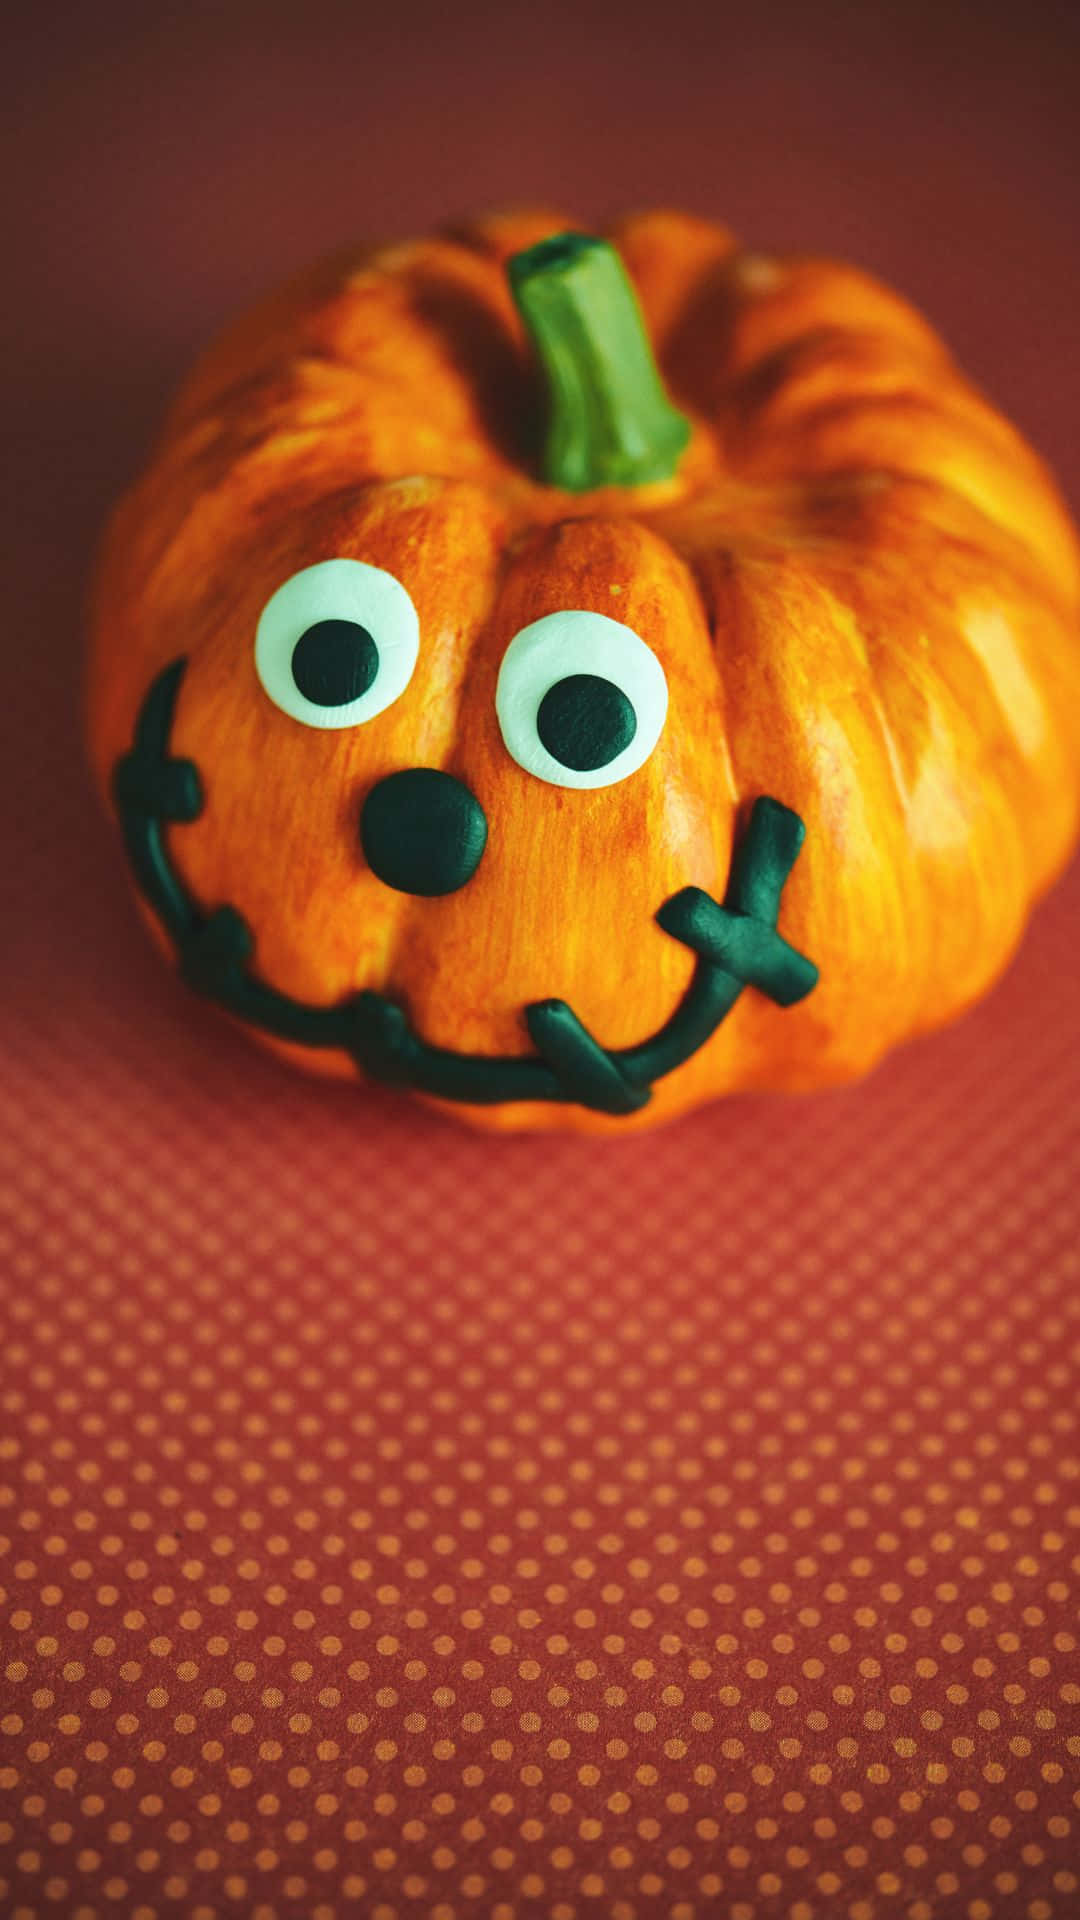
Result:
572,678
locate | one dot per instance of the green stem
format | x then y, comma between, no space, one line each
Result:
611,422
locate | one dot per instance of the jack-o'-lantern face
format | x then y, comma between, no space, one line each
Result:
489,785
472,781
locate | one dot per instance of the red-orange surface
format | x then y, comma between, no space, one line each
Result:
399,1522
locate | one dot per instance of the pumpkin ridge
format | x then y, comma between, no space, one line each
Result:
830,347
978,451
246,333
1014,565
961,406
653,244
707,590
413,923
968,414
415,284
1043,789
473,315
997,867
884,946
922,504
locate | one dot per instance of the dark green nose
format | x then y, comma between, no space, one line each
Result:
422,831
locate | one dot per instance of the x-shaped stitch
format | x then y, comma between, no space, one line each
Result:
741,935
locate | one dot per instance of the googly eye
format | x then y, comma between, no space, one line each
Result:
337,643
581,700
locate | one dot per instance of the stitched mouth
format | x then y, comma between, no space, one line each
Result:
736,945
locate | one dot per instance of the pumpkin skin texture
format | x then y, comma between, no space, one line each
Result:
861,583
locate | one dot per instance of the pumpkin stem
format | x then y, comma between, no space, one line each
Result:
611,422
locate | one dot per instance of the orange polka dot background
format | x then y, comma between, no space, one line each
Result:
402,1523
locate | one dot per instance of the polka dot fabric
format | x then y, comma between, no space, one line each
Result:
403,1523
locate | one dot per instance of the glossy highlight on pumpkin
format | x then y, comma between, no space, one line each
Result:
860,585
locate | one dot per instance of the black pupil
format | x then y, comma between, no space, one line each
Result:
334,662
585,722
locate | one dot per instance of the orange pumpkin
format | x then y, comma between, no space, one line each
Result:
351,631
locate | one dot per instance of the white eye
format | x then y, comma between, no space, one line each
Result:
581,700
337,643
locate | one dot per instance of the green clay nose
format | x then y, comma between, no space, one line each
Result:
422,831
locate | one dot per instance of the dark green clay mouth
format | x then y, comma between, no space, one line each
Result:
737,946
